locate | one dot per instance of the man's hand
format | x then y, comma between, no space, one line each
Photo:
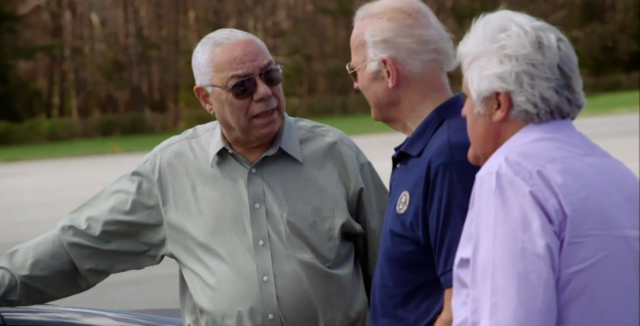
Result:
446,316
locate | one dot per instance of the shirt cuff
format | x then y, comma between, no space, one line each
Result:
446,279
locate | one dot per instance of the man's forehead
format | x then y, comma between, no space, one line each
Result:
241,58
357,35
357,43
247,68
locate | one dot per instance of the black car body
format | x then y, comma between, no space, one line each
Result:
49,315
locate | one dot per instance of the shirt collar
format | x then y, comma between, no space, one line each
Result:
415,144
286,139
526,134
289,141
217,143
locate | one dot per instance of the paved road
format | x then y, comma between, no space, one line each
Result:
35,195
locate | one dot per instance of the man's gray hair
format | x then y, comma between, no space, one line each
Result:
201,58
408,31
507,51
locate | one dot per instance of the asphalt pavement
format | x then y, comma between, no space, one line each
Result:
35,195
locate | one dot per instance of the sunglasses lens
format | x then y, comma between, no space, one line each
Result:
244,88
273,77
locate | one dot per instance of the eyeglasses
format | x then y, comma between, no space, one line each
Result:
246,87
354,72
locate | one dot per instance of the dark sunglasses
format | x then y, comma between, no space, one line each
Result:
246,87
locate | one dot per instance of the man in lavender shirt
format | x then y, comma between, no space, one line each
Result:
551,236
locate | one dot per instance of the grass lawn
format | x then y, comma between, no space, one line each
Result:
352,125
612,103
597,104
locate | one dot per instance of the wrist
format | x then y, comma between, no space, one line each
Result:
444,319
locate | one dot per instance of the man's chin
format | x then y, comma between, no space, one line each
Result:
375,116
474,158
270,129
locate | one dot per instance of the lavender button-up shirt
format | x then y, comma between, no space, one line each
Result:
551,237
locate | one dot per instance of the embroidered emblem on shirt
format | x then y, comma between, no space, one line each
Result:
403,202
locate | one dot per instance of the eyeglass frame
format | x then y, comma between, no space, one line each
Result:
353,71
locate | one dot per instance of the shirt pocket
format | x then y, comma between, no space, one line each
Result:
313,233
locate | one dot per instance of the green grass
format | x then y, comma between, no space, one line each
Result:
611,103
107,145
597,104
352,125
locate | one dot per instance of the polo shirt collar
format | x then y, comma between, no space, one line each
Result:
415,144
286,139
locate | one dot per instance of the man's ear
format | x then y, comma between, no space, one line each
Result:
501,106
389,72
205,98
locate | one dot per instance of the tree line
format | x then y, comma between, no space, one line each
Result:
81,59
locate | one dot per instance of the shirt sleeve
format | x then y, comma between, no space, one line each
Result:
508,257
119,229
370,211
447,200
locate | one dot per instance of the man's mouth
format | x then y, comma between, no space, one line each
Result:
266,113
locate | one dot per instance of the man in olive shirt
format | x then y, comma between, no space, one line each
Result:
273,220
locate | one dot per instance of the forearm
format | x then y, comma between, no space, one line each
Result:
39,271
121,228
9,288
446,316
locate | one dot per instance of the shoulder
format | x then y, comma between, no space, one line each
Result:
509,175
324,137
197,136
511,167
538,147
450,143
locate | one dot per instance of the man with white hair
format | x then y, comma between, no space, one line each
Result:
273,220
400,56
551,237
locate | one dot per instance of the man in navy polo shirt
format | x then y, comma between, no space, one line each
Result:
400,56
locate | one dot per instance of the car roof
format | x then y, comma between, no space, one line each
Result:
49,315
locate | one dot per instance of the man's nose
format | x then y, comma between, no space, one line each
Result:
263,91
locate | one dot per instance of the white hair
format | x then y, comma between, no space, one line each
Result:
407,30
507,51
201,62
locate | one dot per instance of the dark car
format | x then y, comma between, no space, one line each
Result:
49,315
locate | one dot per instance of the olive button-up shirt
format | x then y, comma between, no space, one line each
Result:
291,239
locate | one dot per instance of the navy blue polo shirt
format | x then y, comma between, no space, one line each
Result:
429,194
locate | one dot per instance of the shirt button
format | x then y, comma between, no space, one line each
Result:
271,316
261,243
265,278
257,205
398,165
253,170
